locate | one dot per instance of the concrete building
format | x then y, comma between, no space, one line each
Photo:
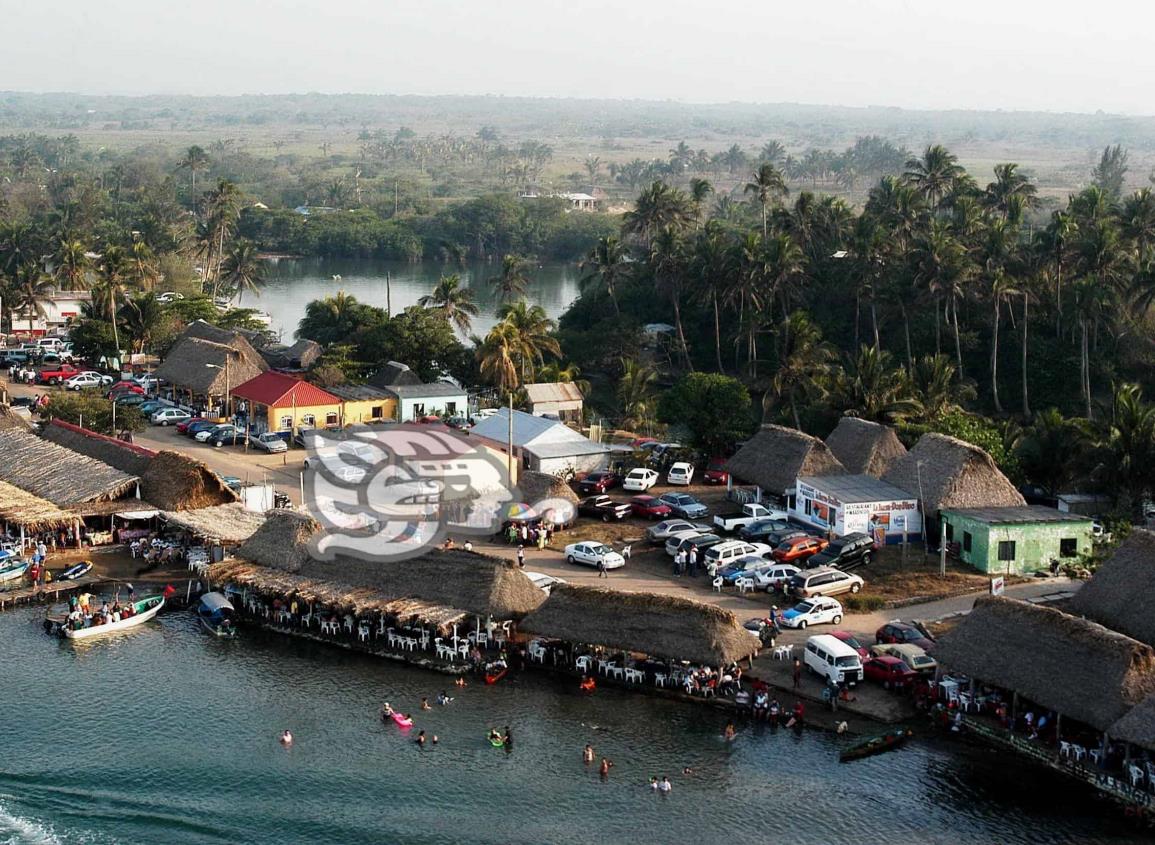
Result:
1016,540
364,403
415,401
282,403
843,504
542,445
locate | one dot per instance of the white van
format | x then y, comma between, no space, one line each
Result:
50,344
833,660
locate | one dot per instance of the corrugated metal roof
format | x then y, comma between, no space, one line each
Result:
1026,515
556,391
527,429
857,488
420,391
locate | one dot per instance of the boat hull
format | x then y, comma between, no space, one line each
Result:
73,573
875,745
146,610
13,572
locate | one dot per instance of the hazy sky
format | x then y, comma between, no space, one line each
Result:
1013,54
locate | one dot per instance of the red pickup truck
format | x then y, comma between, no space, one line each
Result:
56,375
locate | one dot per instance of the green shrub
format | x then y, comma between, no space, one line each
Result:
862,604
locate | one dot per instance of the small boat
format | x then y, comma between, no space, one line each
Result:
876,745
13,570
494,673
77,570
216,615
145,609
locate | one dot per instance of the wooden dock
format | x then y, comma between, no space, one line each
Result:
50,593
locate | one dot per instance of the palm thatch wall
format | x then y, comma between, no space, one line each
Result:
667,627
864,447
776,456
63,477
20,508
1065,663
953,474
538,486
175,481
230,523
1120,594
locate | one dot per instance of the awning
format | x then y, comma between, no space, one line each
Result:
137,514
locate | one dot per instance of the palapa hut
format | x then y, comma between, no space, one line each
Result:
945,472
776,456
1073,666
282,541
539,487
1138,726
30,513
228,525
207,362
1119,595
864,447
665,627
63,477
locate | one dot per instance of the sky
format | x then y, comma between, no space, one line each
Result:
1052,55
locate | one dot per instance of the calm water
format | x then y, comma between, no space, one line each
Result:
292,283
166,735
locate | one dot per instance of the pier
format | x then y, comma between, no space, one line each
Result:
50,593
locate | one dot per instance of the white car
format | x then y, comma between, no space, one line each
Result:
667,528
169,296
147,382
680,473
773,576
591,552
84,381
268,442
640,479
543,582
732,550
170,416
817,611
674,541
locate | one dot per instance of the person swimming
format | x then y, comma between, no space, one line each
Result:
443,699
654,783
665,786
729,732
604,768
286,737
386,711
495,736
460,682
421,738
588,754
508,741
687,771
425,704
435,739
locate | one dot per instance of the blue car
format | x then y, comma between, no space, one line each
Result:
745,567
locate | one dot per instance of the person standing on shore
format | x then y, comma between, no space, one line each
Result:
521,557
797,673
602,573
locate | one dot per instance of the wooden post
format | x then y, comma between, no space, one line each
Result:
1058,727
1014,709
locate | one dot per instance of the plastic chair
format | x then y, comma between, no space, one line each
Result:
744,585
363,632
626,551
718,584
1136,773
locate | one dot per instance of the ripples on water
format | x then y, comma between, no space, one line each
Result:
166,735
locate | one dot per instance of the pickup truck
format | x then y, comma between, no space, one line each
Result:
603,508
56,375
749,513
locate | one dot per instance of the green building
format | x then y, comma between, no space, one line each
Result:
1016,540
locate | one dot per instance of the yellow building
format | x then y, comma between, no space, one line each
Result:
281,403
364,403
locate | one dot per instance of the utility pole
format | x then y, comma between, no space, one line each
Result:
509,461
388,294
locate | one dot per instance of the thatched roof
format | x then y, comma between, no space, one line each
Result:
1062,662
864,447
1120,594
198,365
1138,726
20,508
126,457
667,627
954,474
776,456
300,356
12,421
281,543
538,486
57,474
111,507
230,523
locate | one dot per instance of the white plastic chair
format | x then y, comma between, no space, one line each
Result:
1136,773
718,584
626,551
363,632
744,585
1064,749
660,679
582,663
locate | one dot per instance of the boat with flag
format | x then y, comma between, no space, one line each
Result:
142,611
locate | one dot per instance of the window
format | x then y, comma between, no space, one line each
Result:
808,504
450,409
331,418
286,423
308,421
966,541
1069,547
376,412
1006,550
949,533
418,409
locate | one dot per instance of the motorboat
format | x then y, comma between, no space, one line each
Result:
144,610
216,614
12,569
76,571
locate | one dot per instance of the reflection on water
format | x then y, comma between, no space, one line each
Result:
169,735
292,283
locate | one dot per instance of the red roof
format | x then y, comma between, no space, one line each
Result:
278,390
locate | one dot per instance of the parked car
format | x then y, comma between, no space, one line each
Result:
824,582
268,442
194,426
599,482
680,473
169,296
763,528
206,434
725,553
662,450
684,505
853,641
658,534
749,566
151,406
752,512
701,542
147,382
674,541
603,508
640,479
775,576
889,671
649,507
226,435
170,416
832,660
798,549
912,655
590,552
129,399
716,472
900,632
57,375
776,538
846,552
84,381
816,611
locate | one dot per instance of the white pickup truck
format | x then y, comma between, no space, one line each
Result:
749,513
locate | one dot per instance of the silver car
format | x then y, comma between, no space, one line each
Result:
664,530
268,442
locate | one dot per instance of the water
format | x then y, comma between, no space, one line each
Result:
166,735
291,283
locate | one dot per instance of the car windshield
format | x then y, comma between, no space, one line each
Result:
804,607
600,549
852,642
846,661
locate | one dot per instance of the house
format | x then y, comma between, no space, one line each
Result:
843,504
579,201
776,456
1118,594
864,447
364,403
283,403
1016,540
415,401
392,374
60,308
206,363
300,356
541,444
559,400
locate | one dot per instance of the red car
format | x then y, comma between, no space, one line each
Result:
889,671
599,482
715,472
797,549
900,632
853,642
124,387
649,507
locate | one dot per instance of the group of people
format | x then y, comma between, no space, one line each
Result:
686,562
540,535
81,615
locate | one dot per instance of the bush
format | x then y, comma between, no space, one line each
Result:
862,604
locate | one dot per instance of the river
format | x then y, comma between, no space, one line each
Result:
166,735
291,283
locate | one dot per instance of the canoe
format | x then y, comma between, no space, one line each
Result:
146,609
876,745
13,571
402,721
492,677
77,570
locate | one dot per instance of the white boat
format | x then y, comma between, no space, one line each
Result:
145,609
12,570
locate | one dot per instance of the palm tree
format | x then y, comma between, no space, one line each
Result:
141,316
709,267
143,262
30,291
767,184
1056,241
568,374
1126,442
453,301
604,267
195,160
772,152
496,357
636,394
513,281
804,363
222,209
935,174
941,268
72,264
658,207
110,291
1092,303
1011,193
593,167
871,386
700,190
1138,215
667,261
1050,448
534,336
935,390
244,269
